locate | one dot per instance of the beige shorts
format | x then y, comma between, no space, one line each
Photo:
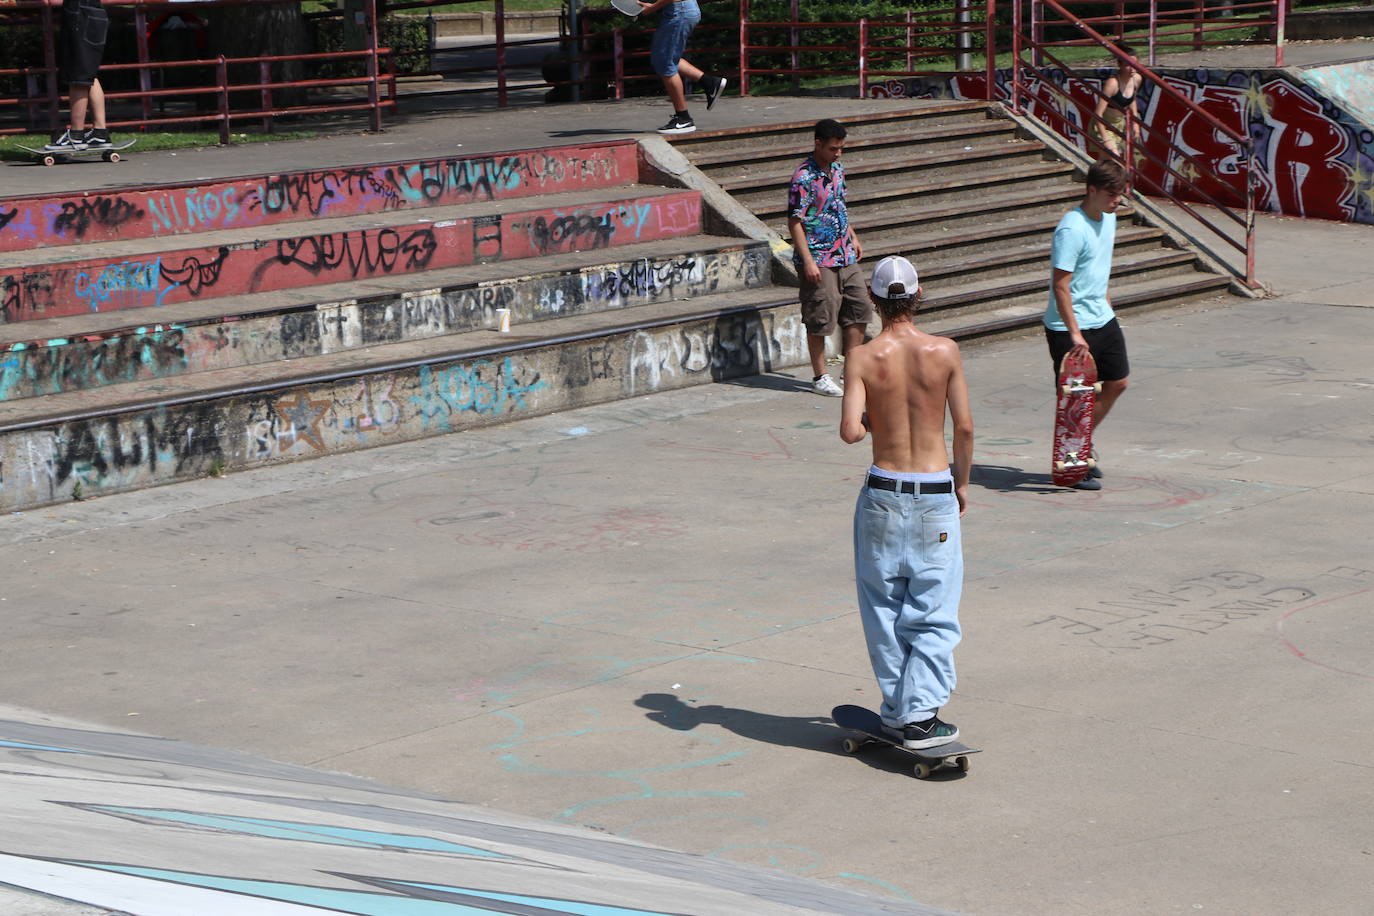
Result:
841,297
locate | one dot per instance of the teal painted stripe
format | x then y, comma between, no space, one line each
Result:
367,903
38,747
310,833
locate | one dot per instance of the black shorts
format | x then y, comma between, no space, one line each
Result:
1108,346
84,24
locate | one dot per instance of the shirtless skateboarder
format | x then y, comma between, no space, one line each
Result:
908,560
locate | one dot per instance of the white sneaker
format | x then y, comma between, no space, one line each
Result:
827,386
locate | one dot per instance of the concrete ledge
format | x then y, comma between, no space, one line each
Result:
1318,25
661,163
179,440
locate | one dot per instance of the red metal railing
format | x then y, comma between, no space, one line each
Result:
1034,92
1178,25
44,99
920,42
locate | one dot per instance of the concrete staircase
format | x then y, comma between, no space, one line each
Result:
967,199
158,334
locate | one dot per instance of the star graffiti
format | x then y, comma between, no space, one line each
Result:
303,417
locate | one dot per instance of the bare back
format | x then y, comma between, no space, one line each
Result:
898,386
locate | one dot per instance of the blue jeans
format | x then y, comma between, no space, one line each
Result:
909,569
675,24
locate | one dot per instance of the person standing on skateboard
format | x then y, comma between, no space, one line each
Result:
84,24
1079,317
908,555
675,26
827,254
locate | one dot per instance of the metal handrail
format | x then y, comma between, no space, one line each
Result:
1244,142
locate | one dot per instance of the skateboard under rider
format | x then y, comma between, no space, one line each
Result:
951,755
53,157
1073,419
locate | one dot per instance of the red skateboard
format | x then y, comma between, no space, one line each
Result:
1073,420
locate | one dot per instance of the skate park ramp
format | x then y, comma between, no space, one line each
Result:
98,821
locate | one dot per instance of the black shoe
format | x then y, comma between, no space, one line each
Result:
65,142
713,90
1087,483
1096,469
678,124
930,733
97,138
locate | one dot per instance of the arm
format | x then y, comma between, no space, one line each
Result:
962,417
853,419
810,271
858,247
1063,301
652,7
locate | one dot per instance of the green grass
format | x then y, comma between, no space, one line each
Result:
10,143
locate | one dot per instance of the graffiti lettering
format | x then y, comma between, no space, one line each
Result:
78,216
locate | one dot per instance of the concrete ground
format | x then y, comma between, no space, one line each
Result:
638,616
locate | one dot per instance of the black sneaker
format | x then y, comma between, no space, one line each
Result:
1088,483
713,90
97,138
65,142
678,124
1096,469
930,733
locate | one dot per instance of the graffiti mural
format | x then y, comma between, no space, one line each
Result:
105,285
42,464
1315,158
267,199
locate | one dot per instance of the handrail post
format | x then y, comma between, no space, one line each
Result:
1154,29
222,74
501,100
863,57
618,51
374,106
145,77
1129,147
964,62
744,47
50,64
264,77
1250,180
1016,55
794,39
1037,11
911,39
1280,13
990,49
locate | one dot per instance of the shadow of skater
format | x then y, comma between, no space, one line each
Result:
1009,480
772,381
813,733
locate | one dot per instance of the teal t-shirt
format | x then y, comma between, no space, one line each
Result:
1083,246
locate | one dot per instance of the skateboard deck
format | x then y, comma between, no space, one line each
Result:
952,755
1073,420
51,157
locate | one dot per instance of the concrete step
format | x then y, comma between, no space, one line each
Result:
1137,294
156,272
112,214
867,148
140,434
1029,178
1032,285
85,351
797,135
941,266
774,178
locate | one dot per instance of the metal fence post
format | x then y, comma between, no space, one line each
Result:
863,57
222,74
744,47
794,38
1154,28
373,71
964,61
50,64
618,40
265,95
1280,14
990,49
1016,55
501,99
145,76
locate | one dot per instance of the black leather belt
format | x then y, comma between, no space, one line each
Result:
910,486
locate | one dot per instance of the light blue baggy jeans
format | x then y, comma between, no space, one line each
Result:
909,569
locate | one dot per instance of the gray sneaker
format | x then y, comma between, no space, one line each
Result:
827,386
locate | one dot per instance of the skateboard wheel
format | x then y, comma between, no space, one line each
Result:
50,160
111,157
851,746
962,763
1097,387
923,771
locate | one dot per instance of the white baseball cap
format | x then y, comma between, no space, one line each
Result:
894,278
